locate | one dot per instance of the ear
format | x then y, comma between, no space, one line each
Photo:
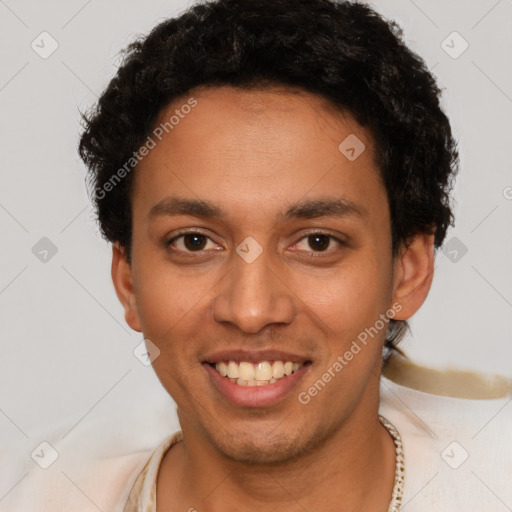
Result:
123,283
413,273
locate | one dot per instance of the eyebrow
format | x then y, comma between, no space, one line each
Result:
311,209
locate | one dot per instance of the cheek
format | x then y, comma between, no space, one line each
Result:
349,299
168,302
173,312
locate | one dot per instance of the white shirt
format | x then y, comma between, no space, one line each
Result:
457,449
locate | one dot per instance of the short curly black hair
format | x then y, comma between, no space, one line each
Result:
341,51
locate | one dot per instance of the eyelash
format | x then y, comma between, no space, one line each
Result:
314,254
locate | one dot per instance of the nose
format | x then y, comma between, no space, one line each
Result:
253,296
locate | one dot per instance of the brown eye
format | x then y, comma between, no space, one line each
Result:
319,242
189,242
194,241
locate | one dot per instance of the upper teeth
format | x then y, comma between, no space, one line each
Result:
262,371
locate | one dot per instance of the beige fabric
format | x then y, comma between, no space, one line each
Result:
142,497
430,409
447,382
455,427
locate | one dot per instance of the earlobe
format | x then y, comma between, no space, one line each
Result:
414,269
121,272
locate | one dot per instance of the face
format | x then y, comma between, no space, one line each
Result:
260,249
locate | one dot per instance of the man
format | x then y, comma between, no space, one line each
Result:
274,178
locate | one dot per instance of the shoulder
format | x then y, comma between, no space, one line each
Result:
73,483
454,426
85,470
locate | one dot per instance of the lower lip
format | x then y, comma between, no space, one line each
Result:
255,396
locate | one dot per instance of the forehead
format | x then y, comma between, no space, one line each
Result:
269,113
258,146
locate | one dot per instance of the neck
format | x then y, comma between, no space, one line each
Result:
348,469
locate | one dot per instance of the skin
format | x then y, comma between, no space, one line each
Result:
254,153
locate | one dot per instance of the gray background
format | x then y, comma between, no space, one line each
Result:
66,353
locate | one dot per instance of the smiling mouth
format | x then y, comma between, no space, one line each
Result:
263,373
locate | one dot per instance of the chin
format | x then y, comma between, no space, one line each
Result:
266,449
